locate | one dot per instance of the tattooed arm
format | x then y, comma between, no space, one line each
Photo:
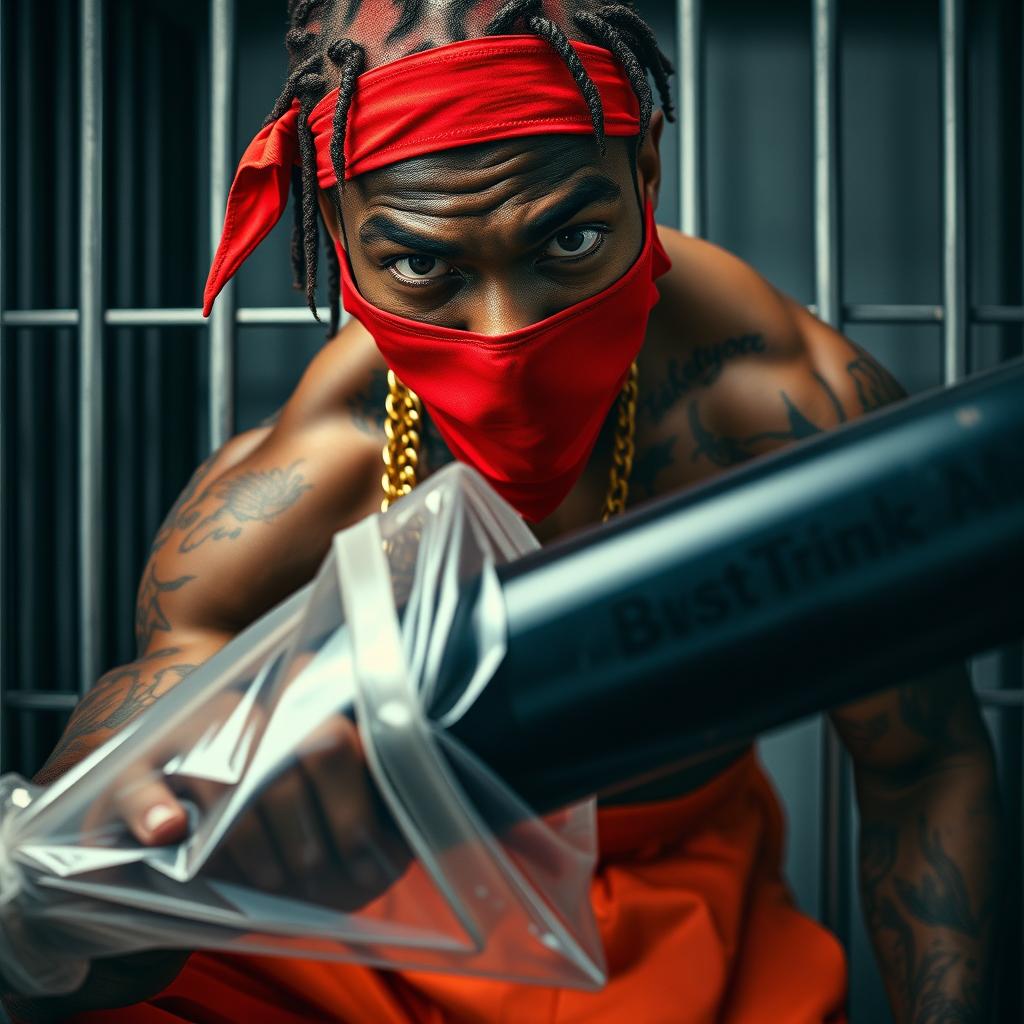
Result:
923,765
252,525
126,690
929,845
926,789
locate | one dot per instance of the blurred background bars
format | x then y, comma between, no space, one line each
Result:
222,168
834,822
690,107
866,157
91,405
954,191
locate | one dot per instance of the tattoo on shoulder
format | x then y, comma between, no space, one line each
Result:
149,616
116,699
876,386
256,496
725,450
172,521
700,368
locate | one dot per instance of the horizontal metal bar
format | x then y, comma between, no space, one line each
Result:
40,700
154,318
998,314
281,315
41,318
882,313
285,316
1001,698
269,316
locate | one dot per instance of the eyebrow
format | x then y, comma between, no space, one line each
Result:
380,228
592,189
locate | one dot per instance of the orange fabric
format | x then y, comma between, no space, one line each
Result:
697,926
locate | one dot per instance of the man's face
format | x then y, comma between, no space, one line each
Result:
497,237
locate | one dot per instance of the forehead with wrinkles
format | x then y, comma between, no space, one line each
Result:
487,175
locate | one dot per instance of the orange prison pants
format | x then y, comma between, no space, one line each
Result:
698,928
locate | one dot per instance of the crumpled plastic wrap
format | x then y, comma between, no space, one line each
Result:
449,870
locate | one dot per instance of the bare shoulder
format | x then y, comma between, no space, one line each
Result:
734,368
710,294
336,382
256,520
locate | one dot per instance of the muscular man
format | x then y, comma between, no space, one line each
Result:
483,240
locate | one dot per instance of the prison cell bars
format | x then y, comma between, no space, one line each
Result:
90,318
222,105
834,811
5,474
90,345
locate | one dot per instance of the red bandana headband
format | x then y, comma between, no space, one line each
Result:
478,90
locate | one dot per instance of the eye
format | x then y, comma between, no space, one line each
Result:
419,268
574,243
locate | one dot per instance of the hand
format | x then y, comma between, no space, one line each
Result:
316,831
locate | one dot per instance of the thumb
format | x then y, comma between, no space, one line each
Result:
153,813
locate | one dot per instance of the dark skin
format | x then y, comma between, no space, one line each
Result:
730,369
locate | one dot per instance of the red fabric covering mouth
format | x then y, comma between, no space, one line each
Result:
478,90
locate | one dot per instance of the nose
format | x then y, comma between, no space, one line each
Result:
501,307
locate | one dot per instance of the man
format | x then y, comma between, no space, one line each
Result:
494,235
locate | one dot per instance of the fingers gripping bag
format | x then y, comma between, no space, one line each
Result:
311,739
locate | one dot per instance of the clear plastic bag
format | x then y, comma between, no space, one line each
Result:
319,712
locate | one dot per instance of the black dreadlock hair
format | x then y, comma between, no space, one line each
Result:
319,60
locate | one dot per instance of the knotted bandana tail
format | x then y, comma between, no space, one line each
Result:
257,200
474,91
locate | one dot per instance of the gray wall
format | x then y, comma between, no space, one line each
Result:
759,204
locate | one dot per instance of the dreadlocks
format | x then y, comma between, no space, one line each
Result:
323,55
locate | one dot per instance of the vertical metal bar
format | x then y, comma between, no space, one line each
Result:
151,161
222,321
4,393
826,163
124,347
31,562
90,342
689,57
63,384
834,887
954,190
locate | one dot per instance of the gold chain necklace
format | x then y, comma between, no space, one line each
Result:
403,422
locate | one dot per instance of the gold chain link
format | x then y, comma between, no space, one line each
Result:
403,416
403,420
625,448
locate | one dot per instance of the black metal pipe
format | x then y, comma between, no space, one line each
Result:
852,562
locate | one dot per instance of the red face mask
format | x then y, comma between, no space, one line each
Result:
524,408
